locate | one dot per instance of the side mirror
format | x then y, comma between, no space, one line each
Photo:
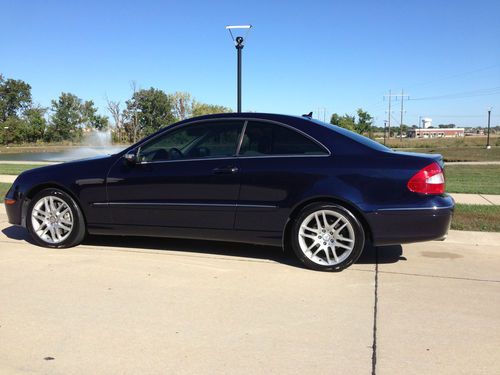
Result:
130,158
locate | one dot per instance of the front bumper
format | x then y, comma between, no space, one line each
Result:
392,226
14,205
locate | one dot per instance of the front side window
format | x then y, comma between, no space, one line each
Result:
206,140
262,138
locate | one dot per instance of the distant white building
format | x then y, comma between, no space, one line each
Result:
426,122
436,133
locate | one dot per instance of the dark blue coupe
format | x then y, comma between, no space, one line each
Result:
270,179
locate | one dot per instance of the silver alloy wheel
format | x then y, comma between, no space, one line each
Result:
326,237
52,219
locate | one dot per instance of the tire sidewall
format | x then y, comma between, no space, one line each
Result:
359,236
78,231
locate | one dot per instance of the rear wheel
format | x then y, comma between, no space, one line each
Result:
327,237
55,220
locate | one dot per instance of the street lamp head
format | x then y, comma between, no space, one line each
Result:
238,39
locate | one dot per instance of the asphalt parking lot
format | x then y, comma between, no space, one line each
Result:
159,306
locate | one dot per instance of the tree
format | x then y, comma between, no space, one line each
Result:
117,115
364,122
345,121
361,125
66,118
91,119
182,105
36,124
150,110
15,97
201,109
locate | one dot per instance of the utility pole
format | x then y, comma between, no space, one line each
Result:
488,139
402,95
401,118
385,130
388,114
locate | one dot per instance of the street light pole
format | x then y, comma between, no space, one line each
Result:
238,43
488,138
239,48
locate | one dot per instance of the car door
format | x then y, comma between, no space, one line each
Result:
184,178
278,165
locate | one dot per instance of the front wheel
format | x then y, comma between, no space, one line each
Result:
55,220
327,237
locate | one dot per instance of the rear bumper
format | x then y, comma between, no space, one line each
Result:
392,226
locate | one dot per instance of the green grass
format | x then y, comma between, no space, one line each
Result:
4,187
476,218
15,169
452,149
473,179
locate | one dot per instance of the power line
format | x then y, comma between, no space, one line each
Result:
464,94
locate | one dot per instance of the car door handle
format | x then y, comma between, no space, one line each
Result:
226,170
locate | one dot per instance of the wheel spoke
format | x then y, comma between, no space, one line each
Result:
308,236
343,246
64,227
44,232
342,238
316,252
341,227
312,245
317,221
324,219
334,254
327,256
314,230
336,222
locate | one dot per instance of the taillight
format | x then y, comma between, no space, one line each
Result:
429,180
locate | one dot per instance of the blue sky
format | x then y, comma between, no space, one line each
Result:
300,55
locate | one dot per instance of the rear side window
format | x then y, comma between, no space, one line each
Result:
262,138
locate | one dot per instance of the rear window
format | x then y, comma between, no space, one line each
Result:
365,141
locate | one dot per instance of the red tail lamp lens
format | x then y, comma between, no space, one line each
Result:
429,180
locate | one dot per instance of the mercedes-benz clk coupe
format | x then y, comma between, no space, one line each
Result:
265,179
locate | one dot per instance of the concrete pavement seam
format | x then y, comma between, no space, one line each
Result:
486,199
440,277
375,312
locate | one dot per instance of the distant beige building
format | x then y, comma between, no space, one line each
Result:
436,133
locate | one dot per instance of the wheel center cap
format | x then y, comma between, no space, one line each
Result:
52,219
326,237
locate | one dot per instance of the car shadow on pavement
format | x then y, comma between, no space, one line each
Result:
386,254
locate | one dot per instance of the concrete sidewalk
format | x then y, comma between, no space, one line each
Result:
161,306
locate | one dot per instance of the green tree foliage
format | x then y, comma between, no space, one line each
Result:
15,97
69,117
91,118
35,124
345,121
201,109
362,124
153,110
66,118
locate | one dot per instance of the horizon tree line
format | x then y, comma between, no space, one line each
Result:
69,117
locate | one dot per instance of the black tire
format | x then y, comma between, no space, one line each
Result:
77,233
359,236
